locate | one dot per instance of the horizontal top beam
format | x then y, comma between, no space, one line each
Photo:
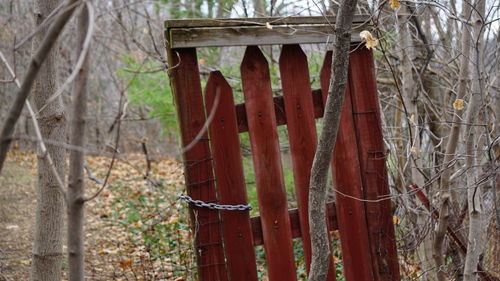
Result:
189,33
204,22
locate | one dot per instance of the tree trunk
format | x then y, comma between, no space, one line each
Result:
48,240
76,176
473,152
331,121
451,147
407,55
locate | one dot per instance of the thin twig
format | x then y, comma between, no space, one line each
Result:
120,116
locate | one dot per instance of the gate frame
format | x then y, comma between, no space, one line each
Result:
360,134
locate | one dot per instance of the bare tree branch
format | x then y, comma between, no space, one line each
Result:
43,147
323,156
25,89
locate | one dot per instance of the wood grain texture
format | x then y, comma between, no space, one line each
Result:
254,35
199,176
228,168
354,239
301,126
267,166
185,23
372,159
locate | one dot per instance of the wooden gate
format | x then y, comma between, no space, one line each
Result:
225,240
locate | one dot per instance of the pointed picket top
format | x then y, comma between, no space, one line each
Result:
292,51
254,65
217,82
295,73
325,75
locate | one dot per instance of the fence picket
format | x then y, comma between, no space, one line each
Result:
267,165
231,189
372,159
198,167
347,179
301,126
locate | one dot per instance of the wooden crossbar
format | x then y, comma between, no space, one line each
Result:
256,31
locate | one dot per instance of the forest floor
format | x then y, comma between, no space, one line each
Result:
135,230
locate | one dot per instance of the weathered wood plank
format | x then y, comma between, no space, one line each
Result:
302,134
279,109
267,165
184,23
254,35
258,239
301,130
186,87
351,214
225,144
372,158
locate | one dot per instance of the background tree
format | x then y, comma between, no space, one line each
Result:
76,180
48,239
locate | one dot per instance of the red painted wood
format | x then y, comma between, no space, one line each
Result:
301,130
224,141
198,167
267,165
324,75
279,109
332,216
371,151
301,126
347,179
294,224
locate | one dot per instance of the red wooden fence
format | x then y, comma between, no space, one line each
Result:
214,171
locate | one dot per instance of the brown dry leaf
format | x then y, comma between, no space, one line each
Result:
395,4
414,150
370,41
396,220
125,263
458,104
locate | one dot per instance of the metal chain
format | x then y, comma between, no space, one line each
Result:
213,206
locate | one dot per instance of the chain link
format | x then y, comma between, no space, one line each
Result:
213,206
